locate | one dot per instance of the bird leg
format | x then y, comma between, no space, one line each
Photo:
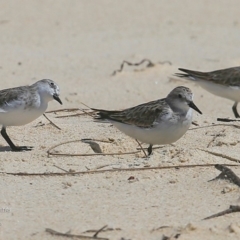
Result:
234,108
11,144
150,149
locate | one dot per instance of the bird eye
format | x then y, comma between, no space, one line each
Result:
179,95
52,84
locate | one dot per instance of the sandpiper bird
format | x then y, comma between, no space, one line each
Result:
163,121
223,83
22,105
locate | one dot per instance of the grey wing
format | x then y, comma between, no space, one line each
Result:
11,98
229,76
144,115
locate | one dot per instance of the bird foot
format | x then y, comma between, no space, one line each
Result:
21,148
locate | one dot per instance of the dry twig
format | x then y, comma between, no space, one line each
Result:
110,140
90,154
195,124
98,231
146,156
63,110
53,232
227,173
113,170
149,64
75,115
60,168
50,153
104,230
84,111
220,155
215,125
231,209
53,124
159,228
227,120
216,136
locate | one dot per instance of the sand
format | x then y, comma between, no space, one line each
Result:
79,44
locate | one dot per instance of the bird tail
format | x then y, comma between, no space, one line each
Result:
103,114
190,74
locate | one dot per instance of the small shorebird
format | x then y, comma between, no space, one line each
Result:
22,105
163,121
223,83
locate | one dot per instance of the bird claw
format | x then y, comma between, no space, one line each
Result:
22,148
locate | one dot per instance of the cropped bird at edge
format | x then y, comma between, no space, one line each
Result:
163,121
22,105
223,83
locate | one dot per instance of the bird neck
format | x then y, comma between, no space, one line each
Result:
178,107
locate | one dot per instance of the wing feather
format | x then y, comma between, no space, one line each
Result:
144,115
227,77
12,98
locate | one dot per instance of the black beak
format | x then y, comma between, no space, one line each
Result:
193,106
56,97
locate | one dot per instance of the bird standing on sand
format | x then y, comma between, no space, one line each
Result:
163,121
22,105
223,83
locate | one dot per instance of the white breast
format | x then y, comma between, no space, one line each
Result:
17,114
166,132
232,93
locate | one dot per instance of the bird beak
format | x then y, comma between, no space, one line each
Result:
56,97
193,106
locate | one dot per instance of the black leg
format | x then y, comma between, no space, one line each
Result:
11,144
234,108
150,149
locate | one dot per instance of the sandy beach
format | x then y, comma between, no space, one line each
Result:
79,44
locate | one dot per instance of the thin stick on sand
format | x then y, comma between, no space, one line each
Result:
149,64
231,209
49,152
52,174
51,122
53,232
